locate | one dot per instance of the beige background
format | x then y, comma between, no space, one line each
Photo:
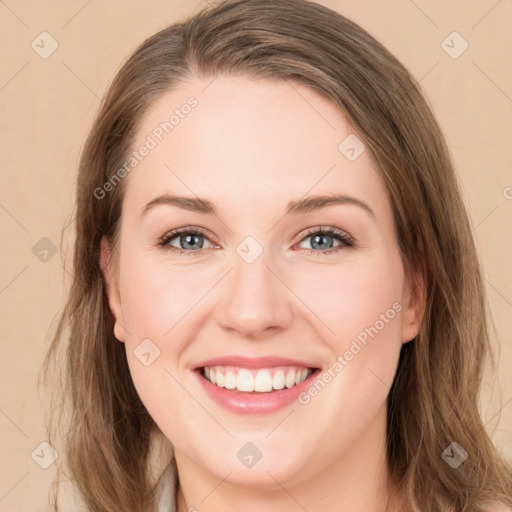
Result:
47,107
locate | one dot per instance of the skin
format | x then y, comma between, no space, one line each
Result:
251,146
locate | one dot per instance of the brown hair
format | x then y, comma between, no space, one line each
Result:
434,397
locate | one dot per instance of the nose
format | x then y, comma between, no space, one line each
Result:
256,303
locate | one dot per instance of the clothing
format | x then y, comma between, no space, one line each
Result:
166,487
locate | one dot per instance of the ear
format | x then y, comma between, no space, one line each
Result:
114,297
413,305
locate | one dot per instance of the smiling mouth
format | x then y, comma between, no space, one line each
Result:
256,381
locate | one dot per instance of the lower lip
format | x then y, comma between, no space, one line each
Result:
254,403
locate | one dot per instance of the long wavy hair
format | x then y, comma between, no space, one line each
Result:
434,399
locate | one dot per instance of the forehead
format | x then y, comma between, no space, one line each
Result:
248,141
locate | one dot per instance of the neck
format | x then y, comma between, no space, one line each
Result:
358,480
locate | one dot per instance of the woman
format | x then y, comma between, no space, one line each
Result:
284,375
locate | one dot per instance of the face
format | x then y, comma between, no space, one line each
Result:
261,287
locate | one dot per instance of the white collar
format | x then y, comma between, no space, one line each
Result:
165,490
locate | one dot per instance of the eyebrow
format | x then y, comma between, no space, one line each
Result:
301,206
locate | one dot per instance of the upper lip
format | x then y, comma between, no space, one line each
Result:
251,362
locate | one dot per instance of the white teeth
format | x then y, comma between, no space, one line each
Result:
290,378
278,380
230,380
245,381
261,381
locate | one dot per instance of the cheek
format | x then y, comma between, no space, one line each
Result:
359,309
157,297
159,306
354,296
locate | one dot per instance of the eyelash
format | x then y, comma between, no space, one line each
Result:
346,240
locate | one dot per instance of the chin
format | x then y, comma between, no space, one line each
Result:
254,460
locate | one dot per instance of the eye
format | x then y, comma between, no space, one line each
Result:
189,240
322,238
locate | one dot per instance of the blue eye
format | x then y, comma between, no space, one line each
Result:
190,240
322,236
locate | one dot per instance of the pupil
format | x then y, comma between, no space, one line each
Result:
188,239
318,238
